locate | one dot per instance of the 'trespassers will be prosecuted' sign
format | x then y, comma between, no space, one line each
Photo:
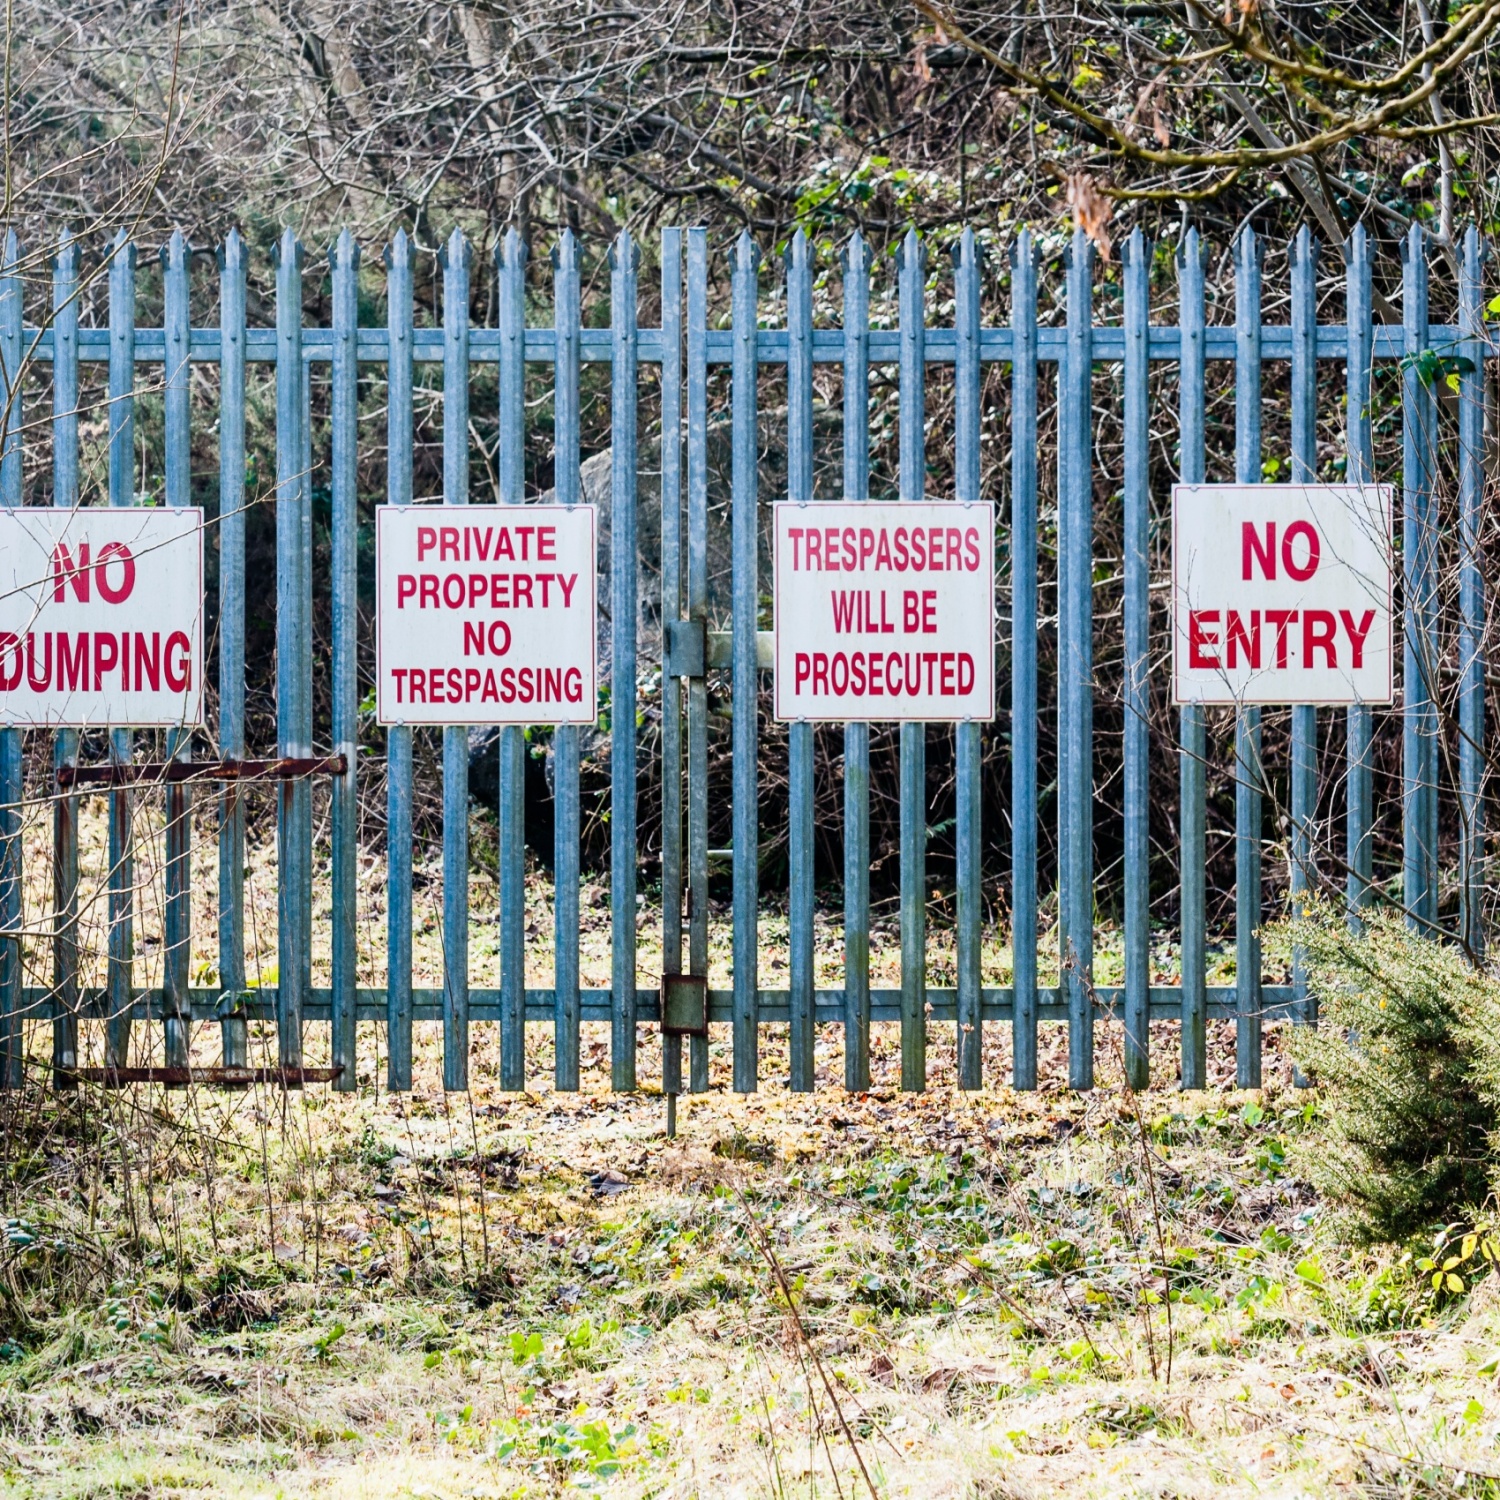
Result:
885,611
486,614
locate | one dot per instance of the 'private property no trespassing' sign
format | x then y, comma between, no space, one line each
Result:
485,614
1281,593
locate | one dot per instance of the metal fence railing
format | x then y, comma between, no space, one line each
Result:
685,348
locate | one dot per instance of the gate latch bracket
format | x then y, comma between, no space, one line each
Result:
686,648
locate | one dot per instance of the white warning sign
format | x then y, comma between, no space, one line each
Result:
885,611
101,617
485,614
1282,593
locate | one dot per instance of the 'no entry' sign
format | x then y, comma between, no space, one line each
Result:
885,611
486,614
1281,593
101,617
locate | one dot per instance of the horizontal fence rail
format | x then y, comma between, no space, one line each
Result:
42,332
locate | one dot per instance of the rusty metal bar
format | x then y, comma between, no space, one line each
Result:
288,768
287,1077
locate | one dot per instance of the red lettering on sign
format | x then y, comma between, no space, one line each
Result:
1318,627
179,674
1357,633
148,660
1279,620
65,571
72,662
1200,639
1251,546
106,655
108,553
1304,571
1237,639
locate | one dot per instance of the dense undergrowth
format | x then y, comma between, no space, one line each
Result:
937,1295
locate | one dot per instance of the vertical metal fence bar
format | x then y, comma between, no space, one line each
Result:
1247,732
1419,669
233,1029
1304,747
12,788
567,798
1136,256
1471,663
1360,319
177,923
291,489
511,268
913,478
799,487
1075,698
121,848
671,610
856,264
1192,805
745,527
697,609
398,998
302,830
345,707
624,259
455,263
966,441
1023,627
65,741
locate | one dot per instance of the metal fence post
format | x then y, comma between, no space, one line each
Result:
968,810
1023,689
344,854
1420,658
913,478
511,258
1471,662
697,610
567,824
65,741
624,260
233,1029
799,486
1191,834
1136,256
856,265
1304,746
1075,700
177,924
398,997
121,846
1247,732
291,627
12,785
671,613
745,527
455,262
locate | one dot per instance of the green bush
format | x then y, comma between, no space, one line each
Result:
1406,1057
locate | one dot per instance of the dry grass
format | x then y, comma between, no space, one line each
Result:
250,1293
